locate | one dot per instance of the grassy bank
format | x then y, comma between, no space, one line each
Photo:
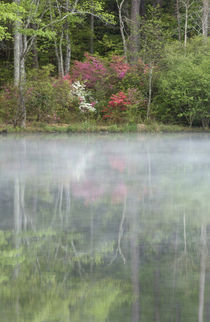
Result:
92,127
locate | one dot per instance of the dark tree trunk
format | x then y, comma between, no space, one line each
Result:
35,55
134,38
92,34
142,8
159,3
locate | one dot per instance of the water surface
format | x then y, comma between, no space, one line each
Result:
101,228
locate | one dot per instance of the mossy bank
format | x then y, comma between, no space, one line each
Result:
92,127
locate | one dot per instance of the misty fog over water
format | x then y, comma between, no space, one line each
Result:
105,228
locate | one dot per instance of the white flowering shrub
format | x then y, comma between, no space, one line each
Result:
79,90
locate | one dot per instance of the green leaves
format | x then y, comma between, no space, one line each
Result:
184,83
8,12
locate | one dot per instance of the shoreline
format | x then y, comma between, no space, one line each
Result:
91,127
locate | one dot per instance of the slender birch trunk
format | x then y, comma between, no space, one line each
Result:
68,44
17,53
68,54
20,46
151,67
178,19
205,18
61,55
122,28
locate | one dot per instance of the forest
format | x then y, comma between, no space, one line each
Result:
105,62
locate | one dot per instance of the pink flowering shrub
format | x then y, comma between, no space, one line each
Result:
91,71
116,90
104,78
117,106
119,66
96,71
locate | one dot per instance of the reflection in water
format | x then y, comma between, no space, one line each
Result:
105,228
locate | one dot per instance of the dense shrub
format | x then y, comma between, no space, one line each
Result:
96,88
91,71
117,107
184,84
8,104
106,78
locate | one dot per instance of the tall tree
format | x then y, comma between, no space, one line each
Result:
134,37
178,19
205,17
122,27
25,33
68,15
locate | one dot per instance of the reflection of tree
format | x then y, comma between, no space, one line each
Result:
203,262
139,208
135,255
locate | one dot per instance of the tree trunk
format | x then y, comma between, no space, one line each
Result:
150,91
17,53
92,31
186,23
178,19
20,45
142,8
134,38
68,44
159,3
205,18
61,56
35,55
122,28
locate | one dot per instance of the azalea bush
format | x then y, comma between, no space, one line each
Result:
117,106
91,71
105,79
96,88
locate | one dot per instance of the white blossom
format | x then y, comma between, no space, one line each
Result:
80,91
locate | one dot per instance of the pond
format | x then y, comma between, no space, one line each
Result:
101,228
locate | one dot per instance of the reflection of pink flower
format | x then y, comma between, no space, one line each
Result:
88,190
119,193
117,164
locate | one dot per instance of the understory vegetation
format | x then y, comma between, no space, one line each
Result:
154,69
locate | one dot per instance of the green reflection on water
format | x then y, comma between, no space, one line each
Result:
112,236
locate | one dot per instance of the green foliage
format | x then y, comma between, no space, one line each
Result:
97,8
184,84
8,104
154,33
49,99
9,12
